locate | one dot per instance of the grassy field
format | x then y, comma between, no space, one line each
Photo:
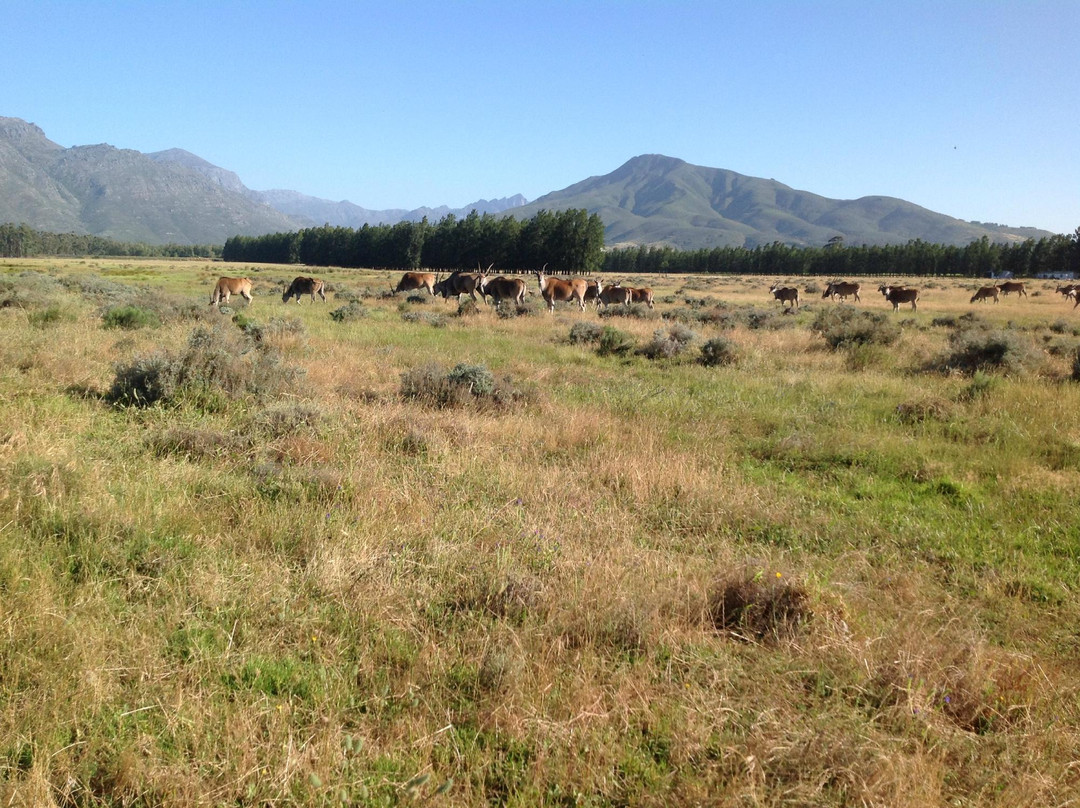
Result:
376,552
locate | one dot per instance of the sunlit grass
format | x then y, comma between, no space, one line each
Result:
336,595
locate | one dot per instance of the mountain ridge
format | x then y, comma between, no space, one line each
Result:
655,199
652,199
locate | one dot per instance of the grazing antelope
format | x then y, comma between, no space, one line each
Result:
615,294
899,294
556,289
592,292
500,289
842,290
641,294
412,281
458,284
786,294
985,293
1009,287
304,286
227,287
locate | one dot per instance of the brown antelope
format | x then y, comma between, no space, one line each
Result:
1009,287
642,294
457,284
592,292
985,293
500,289
304,286
227,287
842,290
412,281
1068,290
615,294
899,294
786,294
557,289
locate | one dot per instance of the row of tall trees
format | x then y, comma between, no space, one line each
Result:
22,241
982,258
568,241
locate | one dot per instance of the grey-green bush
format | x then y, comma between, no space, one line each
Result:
719,351
843,326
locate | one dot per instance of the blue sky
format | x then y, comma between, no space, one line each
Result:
967,108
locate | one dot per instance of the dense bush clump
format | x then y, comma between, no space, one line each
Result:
216,365
667,344
130,318
844,326
463,385
508,309
614,342
972,349
585,332
719,351
467,308
352,311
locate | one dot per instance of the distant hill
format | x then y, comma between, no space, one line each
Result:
315,211
654,199
119,193
175,196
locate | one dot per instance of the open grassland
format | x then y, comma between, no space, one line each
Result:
371,552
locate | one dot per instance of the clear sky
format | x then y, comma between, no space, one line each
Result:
967,107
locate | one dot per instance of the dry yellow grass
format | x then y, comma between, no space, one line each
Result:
336,595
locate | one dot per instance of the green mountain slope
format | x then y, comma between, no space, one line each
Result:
654,199
120,193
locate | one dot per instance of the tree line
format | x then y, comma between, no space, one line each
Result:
568,241
982,258
23,241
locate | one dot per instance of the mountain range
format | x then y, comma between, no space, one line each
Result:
175,196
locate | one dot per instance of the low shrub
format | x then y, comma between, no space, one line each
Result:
972,349
463,385
508,309
348,313
28,290
130,318
53,314
614,342
924,409
667,344
100,290
753,602
719,351
982,385
477,379
468,308
638,311
215,366
843,326
585,332
430,318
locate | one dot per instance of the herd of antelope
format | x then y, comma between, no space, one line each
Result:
572,290
581,291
